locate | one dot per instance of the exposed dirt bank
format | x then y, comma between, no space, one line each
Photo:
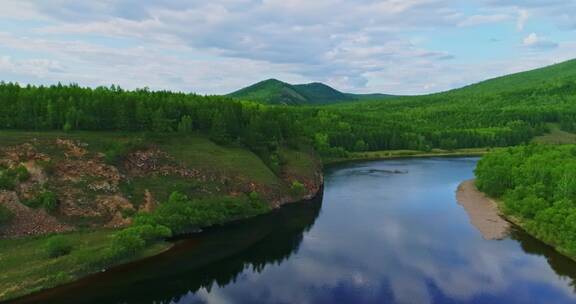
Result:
27,221
483,211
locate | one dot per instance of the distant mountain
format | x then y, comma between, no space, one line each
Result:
273,91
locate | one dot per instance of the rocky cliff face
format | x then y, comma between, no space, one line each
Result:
67,184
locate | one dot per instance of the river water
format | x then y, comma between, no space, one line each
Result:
384,232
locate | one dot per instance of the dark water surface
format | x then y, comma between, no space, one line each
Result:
384,232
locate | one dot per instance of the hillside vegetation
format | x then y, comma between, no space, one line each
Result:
474,117
537,187
125,170
276,92
116,196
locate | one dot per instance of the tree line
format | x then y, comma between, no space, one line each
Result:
447,121
537,185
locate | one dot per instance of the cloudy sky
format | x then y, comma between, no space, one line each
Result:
217,46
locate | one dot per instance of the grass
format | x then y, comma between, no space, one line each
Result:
96,140
200,153
556,137
27,268
25,264
389,154
298,163
160,186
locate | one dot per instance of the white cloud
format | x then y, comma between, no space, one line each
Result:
362,45
523,16
537,42
483,19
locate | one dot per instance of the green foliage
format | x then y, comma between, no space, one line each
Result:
271,91
274,91
218,131
22,173
185,124
10,177
501,112
537,184
57,246
6,182
297,189
5,215
117,151
47,166
181,214
46,199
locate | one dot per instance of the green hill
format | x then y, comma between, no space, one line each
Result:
273,91
319,93
550,76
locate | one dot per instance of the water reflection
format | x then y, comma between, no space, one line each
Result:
381,238
215,258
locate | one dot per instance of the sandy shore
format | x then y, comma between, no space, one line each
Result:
483,212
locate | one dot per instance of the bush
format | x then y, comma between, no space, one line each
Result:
180,214
297,189
127,243
6,182
22,173
5,215
117,151
58,246
47,200
48,166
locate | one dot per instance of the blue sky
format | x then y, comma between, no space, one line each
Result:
214,47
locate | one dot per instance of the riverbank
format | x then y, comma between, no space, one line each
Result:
27,268
100,182
395,154
483,212
486,215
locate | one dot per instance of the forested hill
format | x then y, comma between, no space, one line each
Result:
554,76
273,91
477,116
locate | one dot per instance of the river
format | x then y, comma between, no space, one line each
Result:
384,232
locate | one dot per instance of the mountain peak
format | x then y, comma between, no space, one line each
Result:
274,91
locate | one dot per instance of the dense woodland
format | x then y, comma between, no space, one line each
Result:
501,112
537,185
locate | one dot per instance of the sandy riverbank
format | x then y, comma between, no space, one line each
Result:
482,211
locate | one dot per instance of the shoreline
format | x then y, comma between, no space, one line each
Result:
157,249
483,212
469,197
392,154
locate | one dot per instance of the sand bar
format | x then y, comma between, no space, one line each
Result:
482,211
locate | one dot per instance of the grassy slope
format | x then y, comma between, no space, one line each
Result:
556,136
525,80
26,268
391,154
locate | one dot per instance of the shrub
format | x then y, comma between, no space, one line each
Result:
5,215
6,182
58,246
127,243
48,166
180,213
47,200
116,151
297,189
148,232
22,173
254,196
